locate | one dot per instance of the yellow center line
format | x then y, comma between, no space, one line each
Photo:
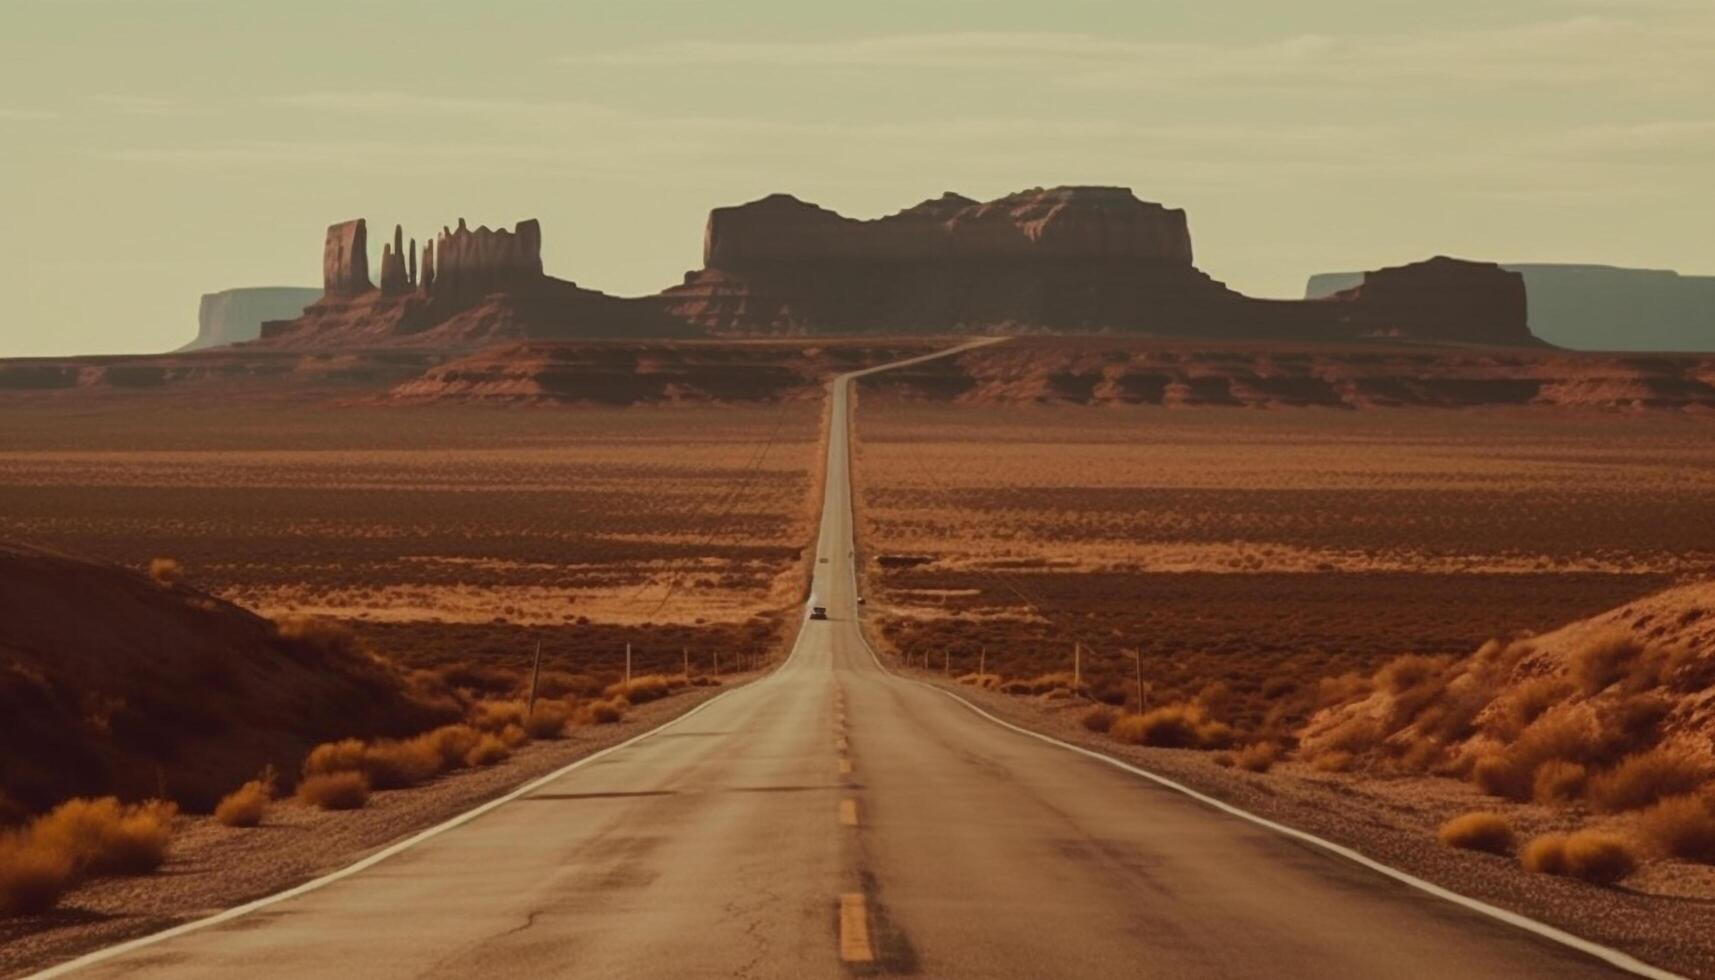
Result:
845,767
848,813
840,743
854,929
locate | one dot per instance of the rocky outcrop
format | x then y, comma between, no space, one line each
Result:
472,287
1443,298
1085,223
1599,307
475,263
233,316
1069,259
345,259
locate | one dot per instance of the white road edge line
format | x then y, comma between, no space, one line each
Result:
109,952
1609,955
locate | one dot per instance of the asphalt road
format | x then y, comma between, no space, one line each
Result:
834,819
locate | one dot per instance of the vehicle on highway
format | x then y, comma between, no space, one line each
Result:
818,612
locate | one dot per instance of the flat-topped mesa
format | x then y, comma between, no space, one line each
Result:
475,263
345,259
1449,299
1076,223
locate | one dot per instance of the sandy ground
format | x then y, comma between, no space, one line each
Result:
214,867
1664,914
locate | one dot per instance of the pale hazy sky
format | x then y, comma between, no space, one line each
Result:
153,150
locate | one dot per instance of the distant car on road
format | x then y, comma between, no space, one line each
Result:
818,612
822,560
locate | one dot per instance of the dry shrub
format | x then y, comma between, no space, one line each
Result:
1510,771
1336,760
1177,726
1592,855
1257,757
649,687
1480,830
492,716
1681,827
246,805
548,720
1529,700
604,712
166,572
488,751
106,837
1604,660
986,681
326,637
1100,718
335,790
559,684
1559,781
512,736
452,743
1642,779
396,765
32,877
345,755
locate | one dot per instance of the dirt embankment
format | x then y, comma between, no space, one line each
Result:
115,683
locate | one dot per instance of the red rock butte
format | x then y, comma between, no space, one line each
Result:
1075,259
469,288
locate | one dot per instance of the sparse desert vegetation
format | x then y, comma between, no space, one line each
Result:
1355,597
78,840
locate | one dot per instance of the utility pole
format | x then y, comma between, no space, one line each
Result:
686,653
535,678
628,665
983,663
947,662
1077,666
1137,660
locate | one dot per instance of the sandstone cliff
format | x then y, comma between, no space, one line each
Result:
234,316
1069,259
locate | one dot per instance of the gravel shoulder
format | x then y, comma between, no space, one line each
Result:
1664,914
213,867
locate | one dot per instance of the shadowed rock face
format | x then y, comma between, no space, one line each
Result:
1090,223
1596,307
1076,259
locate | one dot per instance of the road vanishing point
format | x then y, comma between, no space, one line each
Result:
835,819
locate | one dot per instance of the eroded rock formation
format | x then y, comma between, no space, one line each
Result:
471,287
345,259
1067,259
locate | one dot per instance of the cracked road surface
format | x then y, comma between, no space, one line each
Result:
833,819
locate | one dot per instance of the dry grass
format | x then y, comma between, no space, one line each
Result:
1257,757
1099,718
1177,726
166,572
104,836
1559,781
32,877
603,712
1592,855
1337,760
649,687
1481,830
248,804
489,750
1680,827
80,838
335,790
548,720
1640,780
